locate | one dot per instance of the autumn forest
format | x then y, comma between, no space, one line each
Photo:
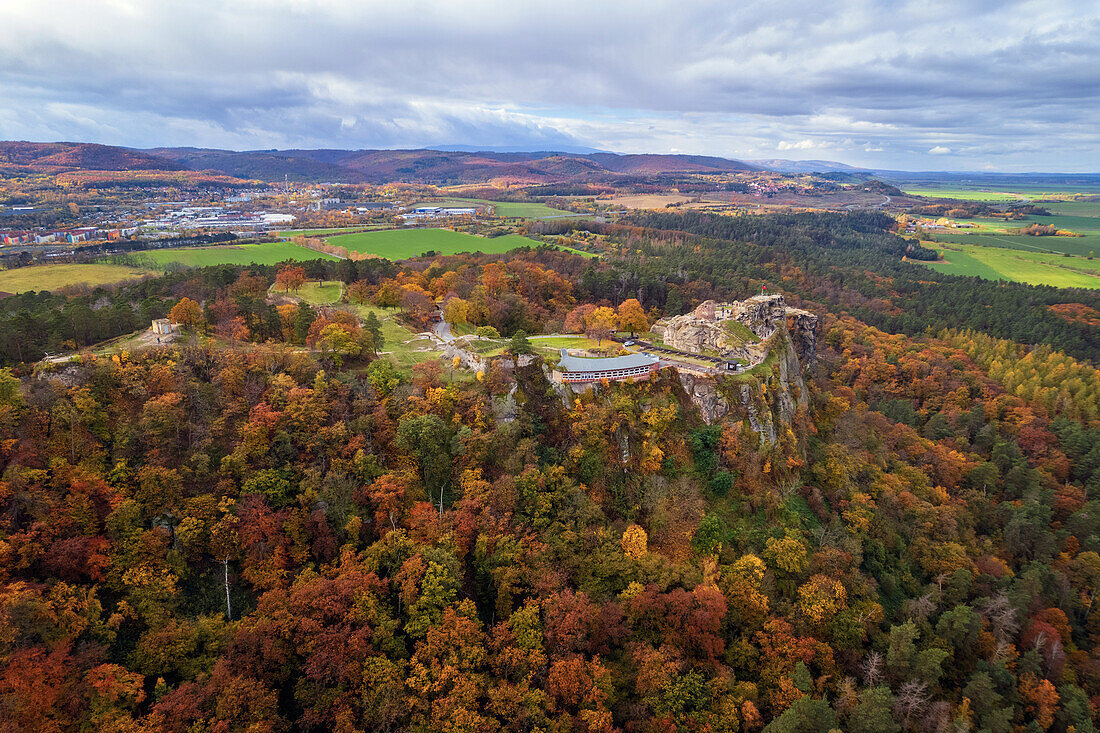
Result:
271,524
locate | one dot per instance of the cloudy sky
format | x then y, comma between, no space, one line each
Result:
925,85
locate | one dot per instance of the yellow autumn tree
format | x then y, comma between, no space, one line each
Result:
600,324
187,313
821,598
788,554
635,542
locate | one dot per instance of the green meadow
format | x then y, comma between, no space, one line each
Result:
1001,192
1057,245
960,193
52,277
266,253
325,293
1017,265
401,244
1073,208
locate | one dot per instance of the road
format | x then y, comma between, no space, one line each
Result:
885,200
442,330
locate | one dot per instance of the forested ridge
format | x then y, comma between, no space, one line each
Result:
244,532
854,263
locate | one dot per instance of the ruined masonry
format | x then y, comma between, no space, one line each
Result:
709,329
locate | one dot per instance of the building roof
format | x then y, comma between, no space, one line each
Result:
583,364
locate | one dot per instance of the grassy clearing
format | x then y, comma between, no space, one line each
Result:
267,253
741,331
557,343
52,277
581,252
327,293
400,244
1036,268
763,369
403,347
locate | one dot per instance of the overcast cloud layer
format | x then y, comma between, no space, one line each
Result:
927,85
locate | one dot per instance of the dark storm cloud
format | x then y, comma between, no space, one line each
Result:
1008,85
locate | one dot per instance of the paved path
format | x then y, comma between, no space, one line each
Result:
442,330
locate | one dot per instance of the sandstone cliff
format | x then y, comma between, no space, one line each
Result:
737,330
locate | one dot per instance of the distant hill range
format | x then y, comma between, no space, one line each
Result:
23,158
360,166
447,166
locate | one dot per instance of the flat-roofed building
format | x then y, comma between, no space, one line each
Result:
580,369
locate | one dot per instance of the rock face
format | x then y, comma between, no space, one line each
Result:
709,328
704,394
752,329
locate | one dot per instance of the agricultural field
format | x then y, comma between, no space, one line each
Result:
1004,192
528,210
1055,245
1073,208
400,244
268,253
52,277
962,194
1017,265
648,200
1078,224
989,251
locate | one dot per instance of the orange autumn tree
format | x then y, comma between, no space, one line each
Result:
187,313
632,318
291,277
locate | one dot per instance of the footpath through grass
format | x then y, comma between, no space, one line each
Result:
52,277
401,346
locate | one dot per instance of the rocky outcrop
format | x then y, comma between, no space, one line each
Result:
702,332
709,328
768,401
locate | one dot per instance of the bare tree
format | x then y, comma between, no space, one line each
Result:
911,700
847,696
1002,617
919,609
872,668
